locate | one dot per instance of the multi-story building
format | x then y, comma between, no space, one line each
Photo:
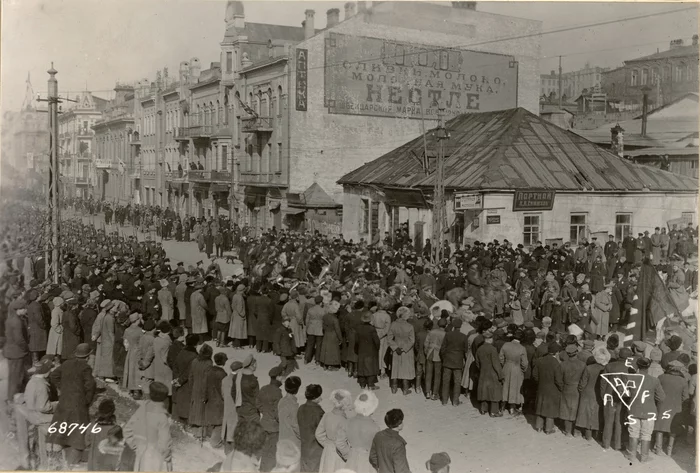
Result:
25,135
75,141
586,79
666,75
549,84
113,151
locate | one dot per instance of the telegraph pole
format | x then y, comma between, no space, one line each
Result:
54,207
52,253
439,190
559,82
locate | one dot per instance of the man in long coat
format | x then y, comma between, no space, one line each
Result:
381,321
197,380
453,353
103,337
367,349
148,432
165,299
36,326
489,388
161,371
181,375
16,348
76,387
547,374
309,417
292,311
238,330
264,311
147,354
572,370
199,309
180,290
401,341
214,399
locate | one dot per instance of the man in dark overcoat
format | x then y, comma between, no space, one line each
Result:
490,387
264,311
572,369
76,388
612,406
453,354
309,416
367,349
547,374
182,389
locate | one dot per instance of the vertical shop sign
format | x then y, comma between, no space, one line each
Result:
301,66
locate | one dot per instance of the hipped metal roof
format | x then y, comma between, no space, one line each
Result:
515,149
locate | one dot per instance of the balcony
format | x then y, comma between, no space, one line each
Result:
257,125
85,133
195,132
103,164
221,176
82,180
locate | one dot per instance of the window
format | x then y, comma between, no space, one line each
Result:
224,157
680,73
577,228
531,229
364,216
270,158
623,226
229,61
278,163
634,77
645,76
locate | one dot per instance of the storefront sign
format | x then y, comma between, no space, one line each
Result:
531,200
493,220
302,56
377,77
468,201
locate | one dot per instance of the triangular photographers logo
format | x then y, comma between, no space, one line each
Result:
626,385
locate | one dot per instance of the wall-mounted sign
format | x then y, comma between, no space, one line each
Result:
468,201
302,56
493,220
531,200
377,77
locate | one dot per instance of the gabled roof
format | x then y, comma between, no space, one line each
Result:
515,149
316,197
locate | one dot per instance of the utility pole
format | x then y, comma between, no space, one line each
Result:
439,190
559,82
53,242
52,253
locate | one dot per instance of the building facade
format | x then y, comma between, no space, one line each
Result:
347,110
668,75
522,179
549,84
76,147
586,79
114,160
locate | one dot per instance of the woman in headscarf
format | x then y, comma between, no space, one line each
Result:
54,345
132,337
328,430
355,439
103,338
245,391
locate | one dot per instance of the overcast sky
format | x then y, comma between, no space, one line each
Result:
93,43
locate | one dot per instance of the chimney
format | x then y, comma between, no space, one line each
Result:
695,40
616,140
361,6
309,29
332,17
551,73
239,18
195,69
349,10
645,109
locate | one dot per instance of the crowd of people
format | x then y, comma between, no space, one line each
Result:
512,329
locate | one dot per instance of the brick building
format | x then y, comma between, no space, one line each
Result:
361,84
669,74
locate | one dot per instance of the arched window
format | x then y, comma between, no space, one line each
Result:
645,76
655,77
634,77
680,73
212,114
279,101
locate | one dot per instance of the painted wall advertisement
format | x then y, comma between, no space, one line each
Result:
301,66
377,77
